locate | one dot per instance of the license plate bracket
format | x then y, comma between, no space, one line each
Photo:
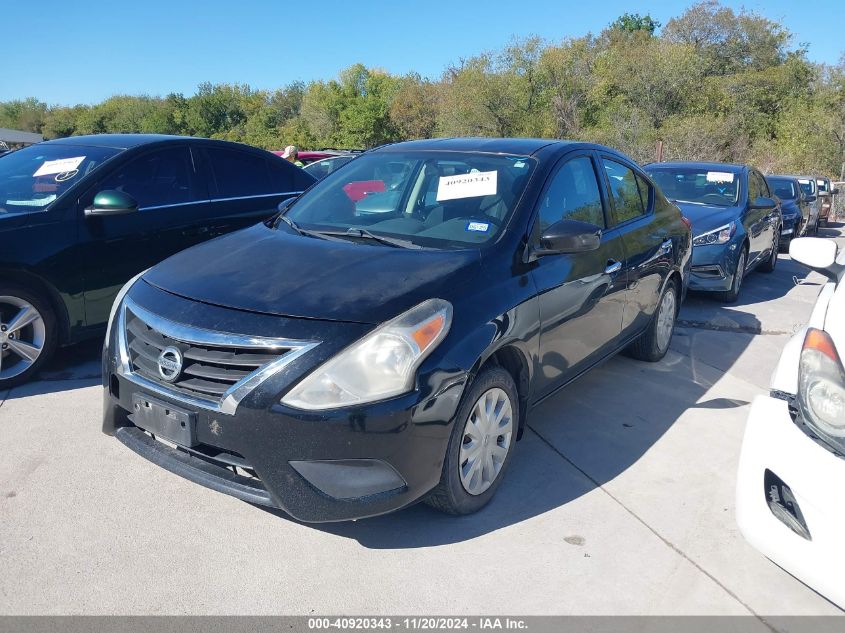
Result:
164,420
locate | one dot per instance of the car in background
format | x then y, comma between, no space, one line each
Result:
811,194
793,206
80,216
401,359
736,221
826,193
308,157
789,502
322,168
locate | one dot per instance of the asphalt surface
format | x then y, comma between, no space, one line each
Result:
619,500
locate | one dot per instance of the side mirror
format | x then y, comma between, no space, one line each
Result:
569,236
763,203
817,253
111,202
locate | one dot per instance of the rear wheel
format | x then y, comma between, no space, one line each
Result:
481,444
653,344
28,335
770,264
730,296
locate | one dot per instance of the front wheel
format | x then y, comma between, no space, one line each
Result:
730,296
653,344
28,335
481,444
769,265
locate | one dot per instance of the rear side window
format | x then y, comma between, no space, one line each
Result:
623,188
572,195
160,178
240,174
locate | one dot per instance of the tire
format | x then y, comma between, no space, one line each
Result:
770,264
451,495
730,296
38,338
653,344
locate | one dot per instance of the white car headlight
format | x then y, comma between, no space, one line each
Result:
118,300
380,365
821,386
717,236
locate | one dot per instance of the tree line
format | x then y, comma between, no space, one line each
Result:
711,84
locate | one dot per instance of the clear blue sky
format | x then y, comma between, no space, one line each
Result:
82,52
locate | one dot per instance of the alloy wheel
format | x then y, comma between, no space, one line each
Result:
22,336
666,319
486,440
740,271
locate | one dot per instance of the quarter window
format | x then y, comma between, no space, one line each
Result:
623,188
159,178
572,195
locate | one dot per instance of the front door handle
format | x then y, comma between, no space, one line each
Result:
613,267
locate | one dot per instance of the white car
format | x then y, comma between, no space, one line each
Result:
791,480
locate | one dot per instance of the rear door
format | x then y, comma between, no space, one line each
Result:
646,236
581,296
169,193
246,187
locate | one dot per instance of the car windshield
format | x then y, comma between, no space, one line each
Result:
33,177
783,188
822,185
323,168
427,199
808,186
717,187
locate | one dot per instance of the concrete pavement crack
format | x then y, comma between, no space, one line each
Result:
665,541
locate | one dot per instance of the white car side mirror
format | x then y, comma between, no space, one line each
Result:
817,253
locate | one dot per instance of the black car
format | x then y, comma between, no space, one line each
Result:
339,364
793,206
80,216
736,222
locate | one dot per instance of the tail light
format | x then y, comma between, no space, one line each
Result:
686,221
821,388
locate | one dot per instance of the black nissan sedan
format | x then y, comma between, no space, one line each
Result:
80,216
340,364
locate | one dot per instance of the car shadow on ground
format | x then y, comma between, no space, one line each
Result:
72,367
578,440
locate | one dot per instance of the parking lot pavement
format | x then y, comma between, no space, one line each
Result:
620,500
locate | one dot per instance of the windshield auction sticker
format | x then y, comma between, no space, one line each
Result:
59,166
720,176
472,185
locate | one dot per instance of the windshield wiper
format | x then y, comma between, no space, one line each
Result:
306,232
381,239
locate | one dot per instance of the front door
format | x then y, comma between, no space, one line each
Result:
115,248
581,296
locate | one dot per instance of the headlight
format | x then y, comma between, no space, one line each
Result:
717,236
821,386
117,301
380,365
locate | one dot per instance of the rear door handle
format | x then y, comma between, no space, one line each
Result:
613,267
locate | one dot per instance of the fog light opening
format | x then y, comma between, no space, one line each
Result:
783,505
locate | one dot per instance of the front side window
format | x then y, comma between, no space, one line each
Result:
428,198
572,195
718,187
755,187
160,178
627,200
33,177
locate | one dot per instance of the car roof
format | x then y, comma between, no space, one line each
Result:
518,146
116,141
699,165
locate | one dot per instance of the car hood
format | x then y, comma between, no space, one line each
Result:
706,217
12,220
271,271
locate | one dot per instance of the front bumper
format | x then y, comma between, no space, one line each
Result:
316,466
814,476
713,267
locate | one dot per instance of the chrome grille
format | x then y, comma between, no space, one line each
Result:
217,366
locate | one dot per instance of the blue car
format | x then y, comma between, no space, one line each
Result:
794,206
736,221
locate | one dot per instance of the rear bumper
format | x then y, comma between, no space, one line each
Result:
773,442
